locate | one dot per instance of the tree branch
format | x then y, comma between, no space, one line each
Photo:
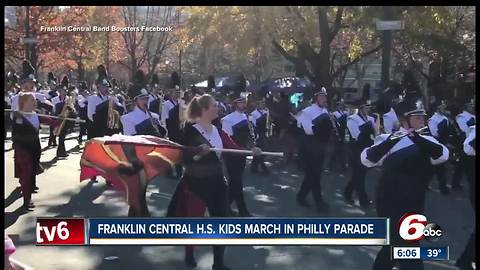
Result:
337,25
283,52
296,12
345,66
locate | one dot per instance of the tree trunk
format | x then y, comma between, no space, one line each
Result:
81,71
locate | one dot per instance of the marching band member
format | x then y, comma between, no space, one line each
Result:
155,100
141,121
222,109
236,125
203,185
98,107
337,160
81,106
59,103
317,126
440,130
407,162
468,255
52,140
390,121
464,120
362,131
258,117
26,144
29,85
8,105
171,119
52,84
102,118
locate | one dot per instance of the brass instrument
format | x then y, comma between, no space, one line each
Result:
181,109
251,130
160,104
269,126
377,125
334,125
113,115
69,103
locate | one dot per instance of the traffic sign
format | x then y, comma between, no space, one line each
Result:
390,25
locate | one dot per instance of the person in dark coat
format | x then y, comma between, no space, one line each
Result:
26,145
317,126
407,163
203,184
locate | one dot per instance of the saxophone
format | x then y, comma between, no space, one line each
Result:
113,115
69,103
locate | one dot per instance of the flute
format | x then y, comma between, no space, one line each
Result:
400,134
49,116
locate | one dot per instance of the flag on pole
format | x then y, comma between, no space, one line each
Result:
104,156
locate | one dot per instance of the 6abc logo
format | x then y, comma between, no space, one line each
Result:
414,227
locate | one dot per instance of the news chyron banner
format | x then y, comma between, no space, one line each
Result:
213,231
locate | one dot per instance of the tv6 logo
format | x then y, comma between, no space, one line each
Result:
60,231
414,227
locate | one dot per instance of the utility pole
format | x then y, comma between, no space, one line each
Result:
27,33
107,55
179,54
387,48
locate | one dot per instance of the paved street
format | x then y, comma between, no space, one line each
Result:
62,195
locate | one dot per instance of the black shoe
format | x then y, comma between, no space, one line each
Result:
322,207
366,203
304,203
62,154
457,187
463,265
348,198
232,213
28,205
445,190
35,188
220,267
190,260
245,214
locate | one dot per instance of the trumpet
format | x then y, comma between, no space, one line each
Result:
113,115
401,134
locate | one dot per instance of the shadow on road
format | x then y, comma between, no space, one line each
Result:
15,195
48,164
12,217
81,204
